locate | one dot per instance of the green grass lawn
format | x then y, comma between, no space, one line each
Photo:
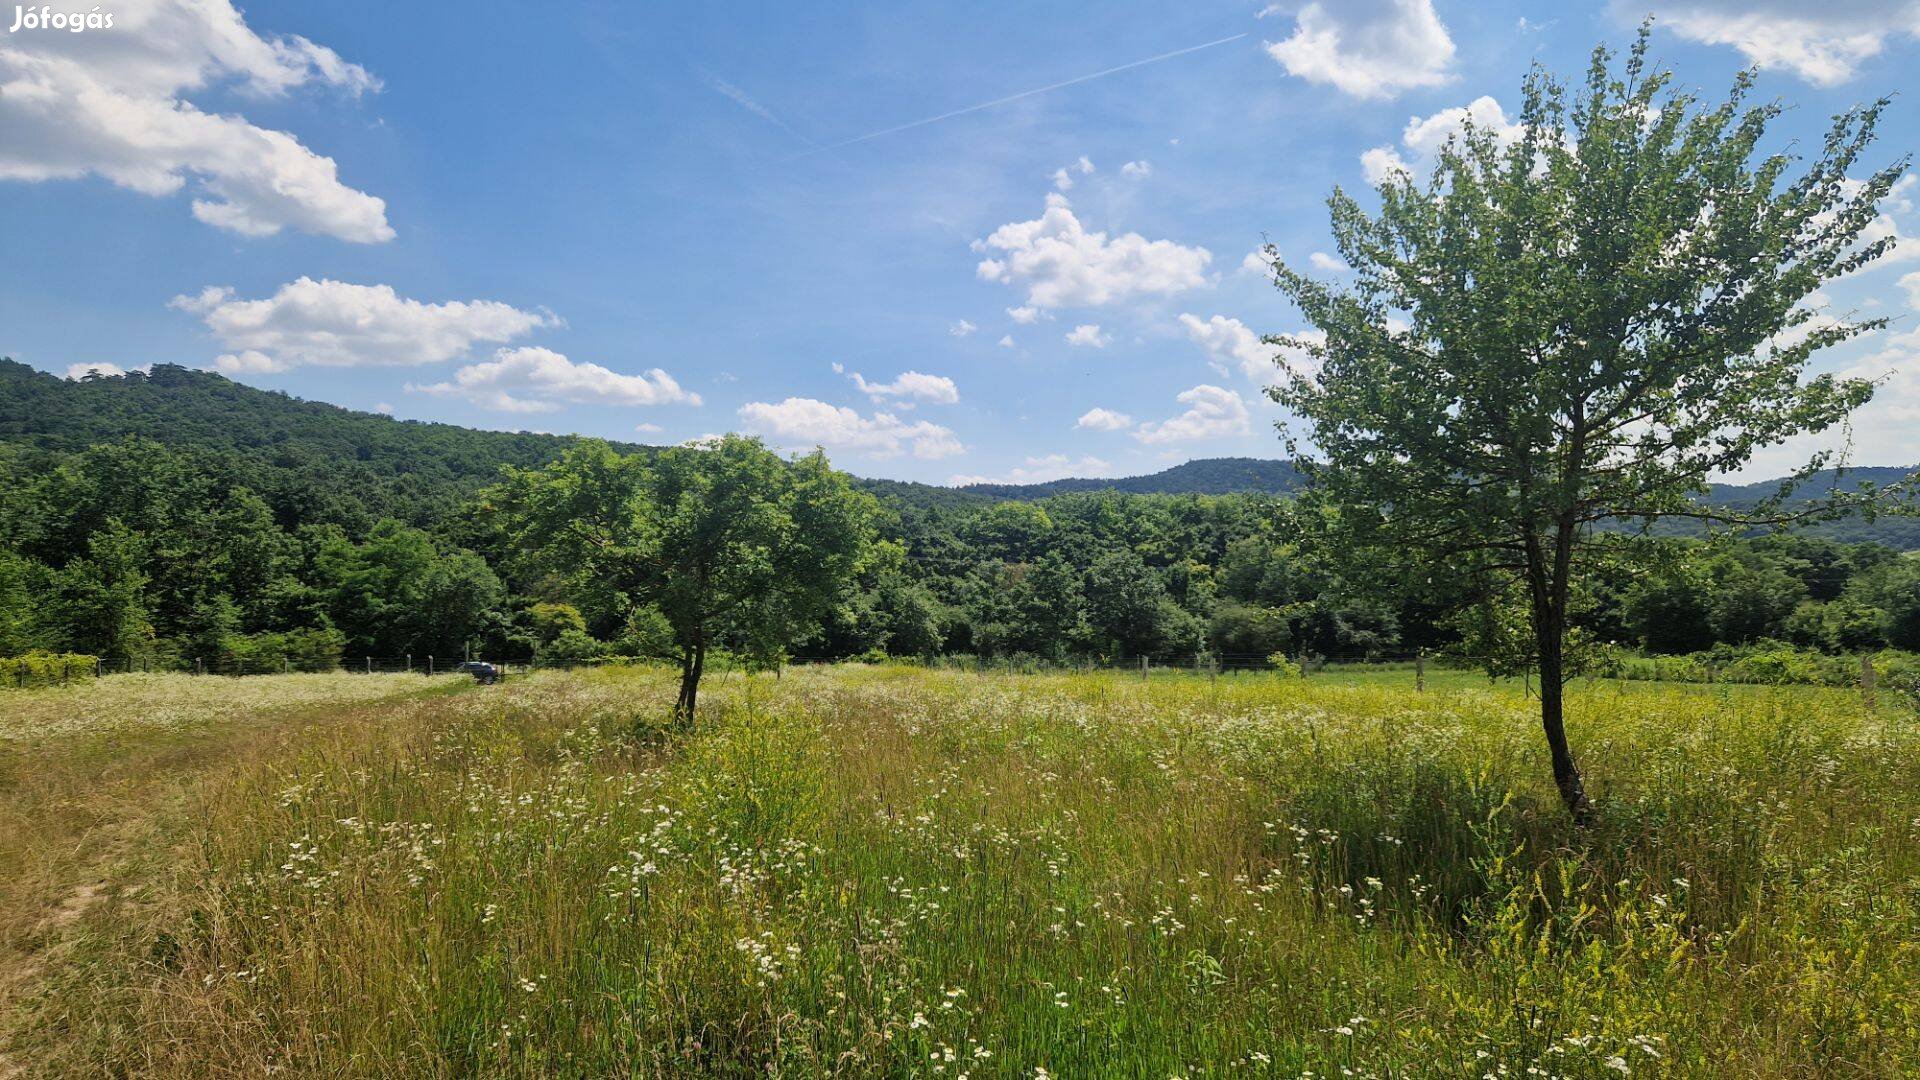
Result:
884,871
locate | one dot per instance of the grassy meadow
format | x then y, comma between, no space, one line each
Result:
883,871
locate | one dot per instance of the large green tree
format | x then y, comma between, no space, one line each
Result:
728,544
1578,325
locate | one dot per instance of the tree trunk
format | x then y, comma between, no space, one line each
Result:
692,661
1566,771
1550,585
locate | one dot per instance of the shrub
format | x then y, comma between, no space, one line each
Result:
42,668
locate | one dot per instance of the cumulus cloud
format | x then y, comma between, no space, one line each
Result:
385,408
1088,336
1062,264
1039,470
1257,261
1424,136
249,362
334,324
1063,176
104,370
1231,344
815,423
1137,170
1367,48
113,103
539,380
1320,260
1823,45
908,385
1212,413
961,328
1006,341
1098,419
1025,315
1911,283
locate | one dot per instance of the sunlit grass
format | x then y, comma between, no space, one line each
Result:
884,871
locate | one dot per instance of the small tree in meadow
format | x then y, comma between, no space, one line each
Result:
1574,327
724,542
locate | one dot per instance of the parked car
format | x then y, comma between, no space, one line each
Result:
482,671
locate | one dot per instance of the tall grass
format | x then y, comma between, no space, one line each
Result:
881,871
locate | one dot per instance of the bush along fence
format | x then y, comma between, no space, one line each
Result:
40,668
1878,675
232,664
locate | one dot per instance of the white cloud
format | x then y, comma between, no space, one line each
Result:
1137,170
648,429
811,422
110,371
1006,341
1257,261
1230,342
1424,136
112,103
249,362
961,328
1088,335
1063,176
538,380
1320,260
1098,419
334,324
1039,470
1382,162
1064,265
1911,283
1881,433
1367,48
908,385
1212,413
1025,316
1822,45
385,408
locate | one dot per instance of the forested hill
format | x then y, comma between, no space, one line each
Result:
205,412
364,465
1205,476
181,407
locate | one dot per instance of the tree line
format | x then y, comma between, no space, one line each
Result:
168,555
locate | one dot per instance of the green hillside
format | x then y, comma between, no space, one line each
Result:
376,466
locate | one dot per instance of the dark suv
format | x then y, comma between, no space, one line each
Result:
481,671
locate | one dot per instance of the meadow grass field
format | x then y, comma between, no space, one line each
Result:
883,871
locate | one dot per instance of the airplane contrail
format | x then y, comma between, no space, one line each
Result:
1016,97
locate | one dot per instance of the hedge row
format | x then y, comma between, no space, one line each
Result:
41,668
1774,664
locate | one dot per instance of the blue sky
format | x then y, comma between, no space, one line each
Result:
649,222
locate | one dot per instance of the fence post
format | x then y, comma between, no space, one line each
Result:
1213,669
1867,679
1420,670
286,664
409,663
369,665
197,668
1143,669
429,663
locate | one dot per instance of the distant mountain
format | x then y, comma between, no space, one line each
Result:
1202,476
417,471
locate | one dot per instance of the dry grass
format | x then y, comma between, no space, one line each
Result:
887,872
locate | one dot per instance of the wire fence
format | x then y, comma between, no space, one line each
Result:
285,665
1415,667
